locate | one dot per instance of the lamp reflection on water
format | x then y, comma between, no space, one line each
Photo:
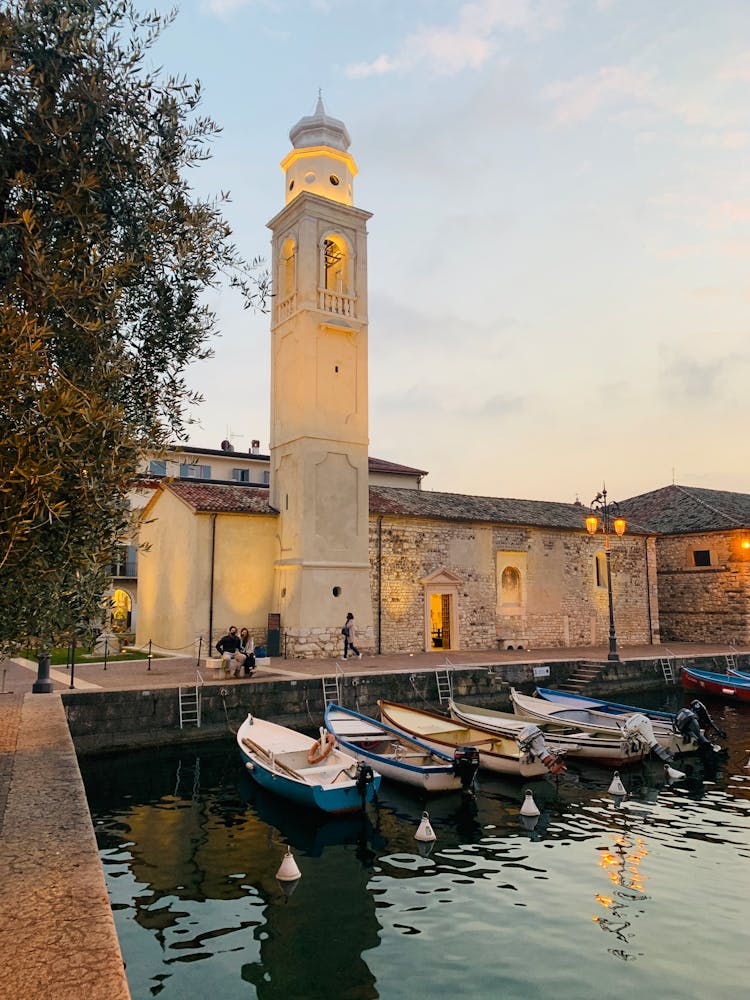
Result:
623,867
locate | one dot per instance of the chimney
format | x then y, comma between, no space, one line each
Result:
255,447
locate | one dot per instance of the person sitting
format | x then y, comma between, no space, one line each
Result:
227,646
245,657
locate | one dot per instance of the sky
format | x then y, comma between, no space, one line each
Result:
559,290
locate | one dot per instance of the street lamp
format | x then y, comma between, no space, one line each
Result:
610,521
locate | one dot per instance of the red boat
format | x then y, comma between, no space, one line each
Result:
727,686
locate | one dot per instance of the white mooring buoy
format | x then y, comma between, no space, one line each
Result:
288,875
529,807
425,833
617,789
672,773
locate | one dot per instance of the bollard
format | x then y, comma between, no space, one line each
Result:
73,663
42,684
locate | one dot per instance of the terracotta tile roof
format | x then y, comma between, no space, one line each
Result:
458,507
381,465
681,510
219,498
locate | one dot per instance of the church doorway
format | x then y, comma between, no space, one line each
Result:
441,591
440,621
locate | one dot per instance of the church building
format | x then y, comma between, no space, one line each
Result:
420,570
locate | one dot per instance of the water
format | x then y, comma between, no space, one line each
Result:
595,901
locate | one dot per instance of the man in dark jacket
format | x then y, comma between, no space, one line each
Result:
228,646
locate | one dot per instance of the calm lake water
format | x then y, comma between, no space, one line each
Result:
646,900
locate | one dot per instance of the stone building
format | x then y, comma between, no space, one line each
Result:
420,570
703,561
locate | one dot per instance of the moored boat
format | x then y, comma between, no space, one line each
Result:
608,707
307,771
593,746
400,757
496,753
726,686
743,675
658,736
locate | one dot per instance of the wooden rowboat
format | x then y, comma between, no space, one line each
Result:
496,753
306,771
577,744
399,757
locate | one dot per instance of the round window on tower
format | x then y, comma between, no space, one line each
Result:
310,178
334,180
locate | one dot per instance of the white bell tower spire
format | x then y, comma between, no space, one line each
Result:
319,420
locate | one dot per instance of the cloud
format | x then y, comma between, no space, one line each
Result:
585,96
468,42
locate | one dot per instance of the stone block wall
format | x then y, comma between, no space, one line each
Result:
704,603
559,603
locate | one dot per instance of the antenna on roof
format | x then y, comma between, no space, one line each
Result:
672,475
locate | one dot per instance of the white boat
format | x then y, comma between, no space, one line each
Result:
496,753
576,744
399,757
307,771
657,735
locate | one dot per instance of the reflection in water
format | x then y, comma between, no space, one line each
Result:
191,848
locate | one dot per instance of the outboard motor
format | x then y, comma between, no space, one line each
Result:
688,724
705,720
638,729
466,765
363,778
531,741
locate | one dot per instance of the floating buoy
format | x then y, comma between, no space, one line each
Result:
617,789
672,773
425,833
529,807
288,870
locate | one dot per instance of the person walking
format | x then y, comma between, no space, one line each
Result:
227,646
349,633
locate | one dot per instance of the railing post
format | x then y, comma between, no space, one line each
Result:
149,655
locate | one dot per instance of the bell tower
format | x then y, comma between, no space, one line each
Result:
319,420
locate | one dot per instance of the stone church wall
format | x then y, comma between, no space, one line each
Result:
704,603
555,600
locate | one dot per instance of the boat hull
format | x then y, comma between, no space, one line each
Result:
389,753
496,753
607,707
589,720
725,686
276,758
591,747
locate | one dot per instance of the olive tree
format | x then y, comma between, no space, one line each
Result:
105,255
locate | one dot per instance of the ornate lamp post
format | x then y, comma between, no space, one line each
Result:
609,521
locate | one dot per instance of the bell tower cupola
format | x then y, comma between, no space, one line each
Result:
319,161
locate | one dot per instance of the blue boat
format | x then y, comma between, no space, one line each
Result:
608,707
401,757
306,771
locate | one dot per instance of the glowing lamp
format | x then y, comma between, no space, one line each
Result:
619,525
745,543
592,523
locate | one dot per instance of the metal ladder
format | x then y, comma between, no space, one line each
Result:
667,668
444,684
190,703
731,662
332,688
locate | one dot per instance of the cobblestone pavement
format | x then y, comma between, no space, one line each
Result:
10,719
